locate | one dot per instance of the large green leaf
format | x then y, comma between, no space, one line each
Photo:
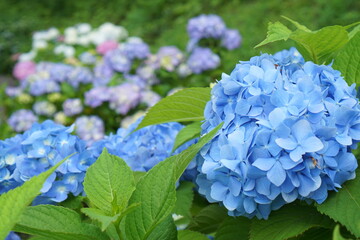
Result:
336,234
316,233
321,44
183,106
165,230
208,219
14,202
290,221
348,61
233,229
100,216
276,32
109,183
57,223
156,193
344,206
184,198
191,235
187,133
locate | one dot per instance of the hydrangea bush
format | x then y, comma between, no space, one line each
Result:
268,151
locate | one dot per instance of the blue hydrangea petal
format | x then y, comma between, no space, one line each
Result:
264,164
276,174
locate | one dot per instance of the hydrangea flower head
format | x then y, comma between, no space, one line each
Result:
143,149
23,69
289,127
106,46
90,128
169,57
44,108
206,26
37,150
22,120
72,106
202,59
231,39
124,97
135,48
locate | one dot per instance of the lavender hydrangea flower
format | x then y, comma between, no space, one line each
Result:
44,108
231,39
79,75
97,96
150,98
118,60
72,107
135,49
22,120
203,59
90,128
286,135
13,91
87,58
103,72
169,57
206,26
37,150
124,97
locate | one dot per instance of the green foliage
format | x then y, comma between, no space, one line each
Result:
14,202
337,234
183,106
233,229
316,233
189,132
290,221
348,61
184,199
100,216
190,235
58,223
317,46
344,206
109,183
208,219
165,230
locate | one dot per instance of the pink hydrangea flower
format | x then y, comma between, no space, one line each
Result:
106,46
24,69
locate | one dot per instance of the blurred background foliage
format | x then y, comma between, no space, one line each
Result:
163,22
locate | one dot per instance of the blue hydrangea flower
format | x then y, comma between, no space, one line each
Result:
169,57
231,39
97,96
135,48
124,97
89,128
103,73
72,106
203,59
87,58
44,108
37,150
22,120
79,75
206,26
289,127
143,149
118,60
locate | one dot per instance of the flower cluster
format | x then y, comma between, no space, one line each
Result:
38,149
289,127
144,148
90,128
22,120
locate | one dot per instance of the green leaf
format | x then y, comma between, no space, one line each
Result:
337,234
208,219
297,25
184,158
156,193
190,235
276,32
354,31
100,216
290,221
187,133
348,61
165,230
184,198
344,206
109,183
57,223
14,202
233,228
321,44
183,106
316,233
